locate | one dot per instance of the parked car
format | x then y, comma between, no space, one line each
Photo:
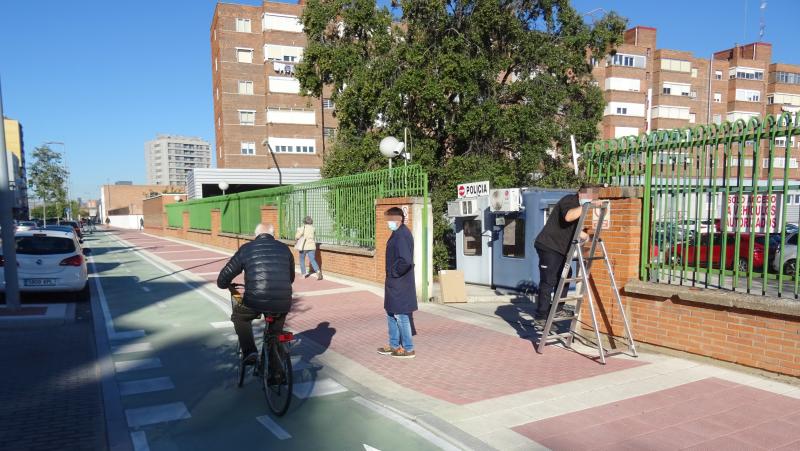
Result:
789,263
791,228
714,253
26,225
63,228
75,226
50,261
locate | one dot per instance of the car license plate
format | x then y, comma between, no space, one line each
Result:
40,282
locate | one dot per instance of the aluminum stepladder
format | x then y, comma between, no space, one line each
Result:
584,266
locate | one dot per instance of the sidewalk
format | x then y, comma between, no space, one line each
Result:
476,369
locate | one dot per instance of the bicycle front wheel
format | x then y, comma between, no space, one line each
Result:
277,379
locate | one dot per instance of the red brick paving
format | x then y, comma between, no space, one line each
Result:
711,414
456,362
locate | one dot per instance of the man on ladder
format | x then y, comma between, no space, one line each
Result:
554,242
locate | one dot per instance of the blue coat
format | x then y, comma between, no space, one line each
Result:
400,295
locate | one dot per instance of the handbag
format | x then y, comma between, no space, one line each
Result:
297,245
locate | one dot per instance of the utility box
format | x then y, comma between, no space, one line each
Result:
451,283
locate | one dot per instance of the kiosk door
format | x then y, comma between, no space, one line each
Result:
473,247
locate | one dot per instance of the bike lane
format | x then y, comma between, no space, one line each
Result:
173,349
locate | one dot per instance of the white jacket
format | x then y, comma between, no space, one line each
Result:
305,235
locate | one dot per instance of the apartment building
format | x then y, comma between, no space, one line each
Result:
17,173
647,88
256,95
170,158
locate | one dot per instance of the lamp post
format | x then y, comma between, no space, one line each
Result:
223,186
391,147
265,142
66,169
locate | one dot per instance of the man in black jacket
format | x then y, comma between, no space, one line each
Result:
553,243
268,267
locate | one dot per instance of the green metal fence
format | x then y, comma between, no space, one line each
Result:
721,202
343,208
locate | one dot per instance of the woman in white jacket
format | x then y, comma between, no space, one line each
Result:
306,246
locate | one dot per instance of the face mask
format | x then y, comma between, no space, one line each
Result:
392,225
585,201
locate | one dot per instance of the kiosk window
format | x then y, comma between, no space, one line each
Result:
514,238
472,237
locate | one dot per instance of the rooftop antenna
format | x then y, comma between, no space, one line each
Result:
763,24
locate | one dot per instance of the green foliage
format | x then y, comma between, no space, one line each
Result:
48,177
488,90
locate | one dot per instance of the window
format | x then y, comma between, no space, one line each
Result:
694,73
291,116
329,132
718,75
282,53
784,99
748,95
675,65
745,73
248,148
244,55
288,85
670,112
514,238
472,237
621,59
292,145
622,110
622,84
786,77
717,119
692,118
327,104
243,25
676,89
779,163
717,97
281,22
247,117
246,87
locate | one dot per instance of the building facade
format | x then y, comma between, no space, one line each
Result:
16,167
261,120
647,88
169,158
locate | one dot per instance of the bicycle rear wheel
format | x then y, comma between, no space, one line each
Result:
277,381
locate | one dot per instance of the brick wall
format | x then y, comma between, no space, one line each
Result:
359,263
770,341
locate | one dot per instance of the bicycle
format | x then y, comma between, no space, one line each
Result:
277,387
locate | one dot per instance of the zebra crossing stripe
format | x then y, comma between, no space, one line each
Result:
273,427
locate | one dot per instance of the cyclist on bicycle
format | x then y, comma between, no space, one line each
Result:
268,267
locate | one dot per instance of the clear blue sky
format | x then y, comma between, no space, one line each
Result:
106,76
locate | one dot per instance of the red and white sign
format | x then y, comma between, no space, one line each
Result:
765,211
477,189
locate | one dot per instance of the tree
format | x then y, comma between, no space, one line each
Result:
48,177
488,89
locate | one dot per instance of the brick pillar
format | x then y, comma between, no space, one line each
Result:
164,220
622,238
216,222
269,215
185,221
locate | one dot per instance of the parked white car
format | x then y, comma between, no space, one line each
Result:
789,262
50,261
25,225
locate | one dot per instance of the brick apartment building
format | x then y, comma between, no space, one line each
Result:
256,95
647,88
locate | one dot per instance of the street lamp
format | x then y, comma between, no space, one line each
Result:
265,143
223,186
390,148
176,198
66,169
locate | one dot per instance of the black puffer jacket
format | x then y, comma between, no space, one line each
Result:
268,267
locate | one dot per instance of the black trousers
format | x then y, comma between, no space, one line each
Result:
550,265
242,317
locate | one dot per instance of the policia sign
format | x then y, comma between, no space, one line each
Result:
477,189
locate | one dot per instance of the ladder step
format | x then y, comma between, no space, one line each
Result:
570,298
564,318
554,336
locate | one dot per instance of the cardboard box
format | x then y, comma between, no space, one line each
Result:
452,286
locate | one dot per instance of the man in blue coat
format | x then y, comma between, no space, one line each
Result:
400,298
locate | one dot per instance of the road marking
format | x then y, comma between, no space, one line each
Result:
145,386
174,252
314,389
144,416
127,335
136,365
397,417
145,288
139,439
273,427
369,448
132,347
222,324
305,294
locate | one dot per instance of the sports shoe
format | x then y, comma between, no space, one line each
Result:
401,353
306,275
319,275
386,350
251,358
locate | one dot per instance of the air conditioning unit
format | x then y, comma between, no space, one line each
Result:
507,199
463,208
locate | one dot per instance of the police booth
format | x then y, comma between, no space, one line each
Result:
518,215
495,233
473,227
